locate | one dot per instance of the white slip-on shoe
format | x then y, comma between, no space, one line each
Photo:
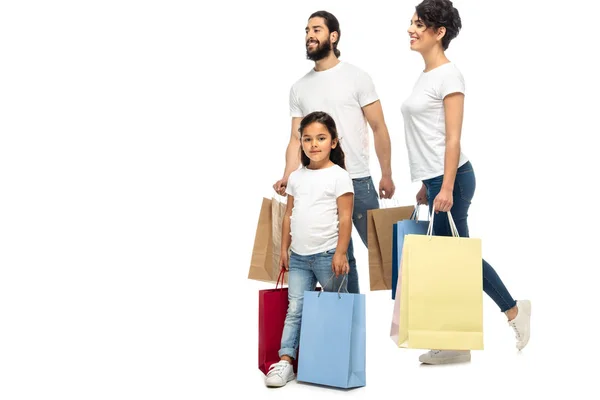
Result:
279,374
521,324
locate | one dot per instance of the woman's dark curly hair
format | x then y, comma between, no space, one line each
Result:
438,13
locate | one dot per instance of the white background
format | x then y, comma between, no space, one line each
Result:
139,137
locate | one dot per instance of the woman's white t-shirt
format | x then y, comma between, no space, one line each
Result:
425,123
314,221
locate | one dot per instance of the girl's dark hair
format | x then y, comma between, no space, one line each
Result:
337,155
438,13
333,25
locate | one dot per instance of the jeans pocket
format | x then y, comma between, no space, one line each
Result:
362,186
330,252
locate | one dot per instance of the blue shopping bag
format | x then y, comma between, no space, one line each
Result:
333,340
410,226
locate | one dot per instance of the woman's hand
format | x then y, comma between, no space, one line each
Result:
443,201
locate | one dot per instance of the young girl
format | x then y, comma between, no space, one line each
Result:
433,116
316,228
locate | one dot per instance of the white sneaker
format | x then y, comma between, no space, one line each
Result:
279,374
521,323
436,357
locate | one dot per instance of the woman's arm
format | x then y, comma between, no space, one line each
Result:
453,108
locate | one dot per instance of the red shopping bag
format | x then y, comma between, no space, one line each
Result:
272,309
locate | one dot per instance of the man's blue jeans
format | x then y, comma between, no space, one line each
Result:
365,198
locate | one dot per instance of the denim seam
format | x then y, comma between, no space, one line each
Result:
460,190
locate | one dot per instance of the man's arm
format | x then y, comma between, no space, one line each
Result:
292,156
383,146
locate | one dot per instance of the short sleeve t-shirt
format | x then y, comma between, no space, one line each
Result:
341,92
314,222
425,123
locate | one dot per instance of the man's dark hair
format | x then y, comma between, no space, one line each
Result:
333,25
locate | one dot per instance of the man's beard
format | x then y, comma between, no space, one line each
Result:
321,52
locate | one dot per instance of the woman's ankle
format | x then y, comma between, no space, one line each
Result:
512,313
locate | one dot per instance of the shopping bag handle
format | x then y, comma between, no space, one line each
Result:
415,214
278,197
453,228
452,225
340,288
281,276
385,203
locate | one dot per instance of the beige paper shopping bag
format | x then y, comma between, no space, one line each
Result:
261,262
441,295
264,265
379,238
277,213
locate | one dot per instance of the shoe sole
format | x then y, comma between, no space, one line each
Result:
282,385
449,360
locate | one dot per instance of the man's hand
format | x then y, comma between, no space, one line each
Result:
386,188
280,186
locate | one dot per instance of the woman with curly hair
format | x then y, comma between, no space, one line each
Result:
433,115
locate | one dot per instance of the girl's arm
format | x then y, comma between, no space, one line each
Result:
345,204
454,107
286,238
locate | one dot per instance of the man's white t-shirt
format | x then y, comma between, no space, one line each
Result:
425,123
314,221
341,92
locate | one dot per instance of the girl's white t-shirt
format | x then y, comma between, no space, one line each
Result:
425,122
314,221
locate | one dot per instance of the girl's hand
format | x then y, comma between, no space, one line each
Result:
443,201
284,260
339,264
